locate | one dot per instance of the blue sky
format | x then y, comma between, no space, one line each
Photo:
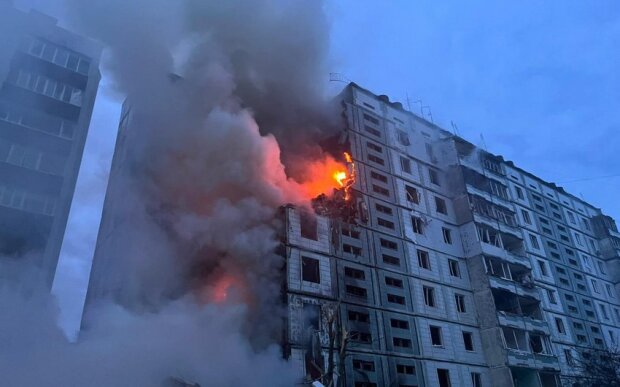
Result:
538,80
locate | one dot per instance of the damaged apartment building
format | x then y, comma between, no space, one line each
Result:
444,265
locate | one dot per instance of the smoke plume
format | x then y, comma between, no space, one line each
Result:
225,98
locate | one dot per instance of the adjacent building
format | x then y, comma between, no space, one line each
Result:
49,82
457,268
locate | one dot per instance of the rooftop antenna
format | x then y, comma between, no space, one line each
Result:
338,77
455,128
484,143
430,114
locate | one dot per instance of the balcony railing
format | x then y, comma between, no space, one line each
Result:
514,287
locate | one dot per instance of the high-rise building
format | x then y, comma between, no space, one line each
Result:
446,265
49,83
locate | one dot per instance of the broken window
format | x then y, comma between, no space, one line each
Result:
364,365
356,291
460,303
391,260
492,166
498,189
539,344
440,206
359,317
400,342
543,268
443,376
354,273
405,164
468,341
310,270
476,379
489,236
455,270
351,249
429,296
559,324
361,337
395,282
424,259
534,242
519,192
515,339
311,316
403,138
399,324
526,217
447,235
309,226
417,224
436,338
433,176
394,299
405,369
413,195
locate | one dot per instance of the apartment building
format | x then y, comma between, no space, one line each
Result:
457,269
49,83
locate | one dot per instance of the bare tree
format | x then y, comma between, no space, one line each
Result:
596,368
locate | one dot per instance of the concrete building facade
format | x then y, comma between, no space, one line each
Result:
459,268
49,80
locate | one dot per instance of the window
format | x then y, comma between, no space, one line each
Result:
395,282
310,270
376,159
413,195
394,299
534,241
476,379
361,337
595,286
436,338
526,217
610,291
348,231
405,164
559,324
354,273
603,311
399,324
570,360
385,223
309,226
424,260
383,209
388,244
443,376
434,176
371,119
390,260
403,138
460,303
447,235
543,268
418,225
378,176
468,341
351,249
372,131
455,270
356,291
364,365
571,217
440,206
359,317
400,342
429,296
601,267
519,192
405,369
311,313
380,190
375,147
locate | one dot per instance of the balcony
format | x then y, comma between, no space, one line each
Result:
514,287
487,195
530,360
523,322
529,349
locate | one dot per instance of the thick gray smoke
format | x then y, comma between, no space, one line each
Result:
215,89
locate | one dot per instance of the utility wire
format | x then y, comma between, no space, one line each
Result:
589,178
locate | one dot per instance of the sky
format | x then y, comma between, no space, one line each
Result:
533,81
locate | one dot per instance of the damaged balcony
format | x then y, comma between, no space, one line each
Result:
519,312
502,245
490,189
529,350
494,215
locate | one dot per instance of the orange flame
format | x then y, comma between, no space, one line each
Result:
327,174
340,176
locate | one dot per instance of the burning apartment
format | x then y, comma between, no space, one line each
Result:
49,82
436,263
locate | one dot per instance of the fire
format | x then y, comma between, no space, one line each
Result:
340,177
224,288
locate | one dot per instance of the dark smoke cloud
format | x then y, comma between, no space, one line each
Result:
214,150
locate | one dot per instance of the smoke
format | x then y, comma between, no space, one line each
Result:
226,102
